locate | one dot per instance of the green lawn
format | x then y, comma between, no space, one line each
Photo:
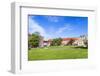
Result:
57,52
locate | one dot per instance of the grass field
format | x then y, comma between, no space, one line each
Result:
57,52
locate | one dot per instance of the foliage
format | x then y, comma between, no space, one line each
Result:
33,40
85,42
71,42
56,42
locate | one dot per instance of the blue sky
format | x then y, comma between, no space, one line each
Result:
58,26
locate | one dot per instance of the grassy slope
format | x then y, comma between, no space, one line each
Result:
57,52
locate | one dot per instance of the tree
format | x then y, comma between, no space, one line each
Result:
56,42
71,42
33,40
37,33
85,42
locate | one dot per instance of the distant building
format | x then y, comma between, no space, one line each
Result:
67,41
47,43
80,41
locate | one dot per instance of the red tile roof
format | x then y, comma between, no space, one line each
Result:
64,39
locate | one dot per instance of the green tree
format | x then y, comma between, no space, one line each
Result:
70,42
33,40
56,42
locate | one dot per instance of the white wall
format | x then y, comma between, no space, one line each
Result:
5,28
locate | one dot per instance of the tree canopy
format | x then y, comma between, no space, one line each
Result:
56,42
33,40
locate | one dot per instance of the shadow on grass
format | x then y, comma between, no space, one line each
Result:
81,47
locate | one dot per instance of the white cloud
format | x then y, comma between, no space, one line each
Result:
52,18
62,29
35,27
